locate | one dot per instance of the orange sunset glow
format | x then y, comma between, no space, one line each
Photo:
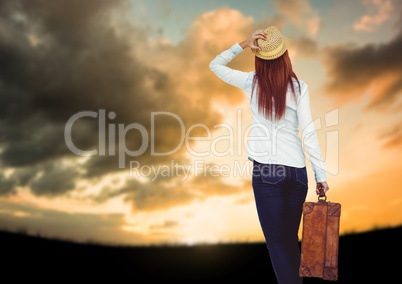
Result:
114,129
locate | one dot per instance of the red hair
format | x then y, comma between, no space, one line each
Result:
273,78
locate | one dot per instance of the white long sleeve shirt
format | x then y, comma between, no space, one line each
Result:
276,142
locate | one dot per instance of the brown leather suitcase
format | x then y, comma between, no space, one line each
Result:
320,239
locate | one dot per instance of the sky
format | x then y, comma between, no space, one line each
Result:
113,129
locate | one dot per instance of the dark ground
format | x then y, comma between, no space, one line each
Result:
373,257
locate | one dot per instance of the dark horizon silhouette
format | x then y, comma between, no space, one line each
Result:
367,256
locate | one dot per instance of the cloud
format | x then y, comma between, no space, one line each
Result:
373,69
7,186
82,227
167,224
96,66
304,47
301,13
102,63
379,11
171,188
55,67
210,34
54,179
393,136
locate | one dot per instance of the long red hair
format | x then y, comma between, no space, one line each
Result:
273,78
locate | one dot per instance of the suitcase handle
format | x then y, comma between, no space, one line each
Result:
321,196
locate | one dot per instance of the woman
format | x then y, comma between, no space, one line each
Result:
280,104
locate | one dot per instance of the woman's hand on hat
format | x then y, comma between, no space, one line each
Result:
251,41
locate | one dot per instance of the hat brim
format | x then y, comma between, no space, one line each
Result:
286,42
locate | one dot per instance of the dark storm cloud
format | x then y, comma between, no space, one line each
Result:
59,58
54,179
170,188
49,178
373,68
7,186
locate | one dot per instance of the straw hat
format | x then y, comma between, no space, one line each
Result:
273,47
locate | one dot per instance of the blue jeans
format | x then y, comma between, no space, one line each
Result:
279,193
